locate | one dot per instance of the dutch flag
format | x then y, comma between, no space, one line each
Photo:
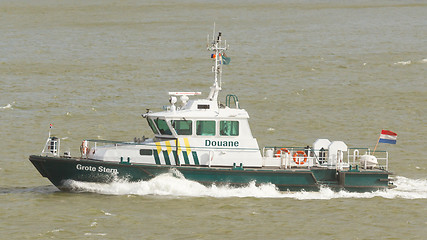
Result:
388,137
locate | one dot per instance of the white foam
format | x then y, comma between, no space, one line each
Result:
174,185
95,234
8,106
424,60
403,63
107,213
56,230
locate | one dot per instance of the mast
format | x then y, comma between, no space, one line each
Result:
218,47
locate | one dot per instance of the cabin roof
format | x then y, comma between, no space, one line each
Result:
202,108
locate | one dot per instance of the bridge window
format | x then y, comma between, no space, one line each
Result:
229,128
152,125
182,127
163,127
205,128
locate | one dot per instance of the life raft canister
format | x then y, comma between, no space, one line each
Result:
298,155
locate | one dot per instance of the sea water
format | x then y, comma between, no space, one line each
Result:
302,69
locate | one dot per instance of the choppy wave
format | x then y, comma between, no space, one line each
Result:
403,63
38,189
409,62
176,186
8,106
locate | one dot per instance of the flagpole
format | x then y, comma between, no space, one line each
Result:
376,144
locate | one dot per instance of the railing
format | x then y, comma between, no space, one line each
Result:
85,147
292,156
116,143
233,97
354,155
320,157
52,146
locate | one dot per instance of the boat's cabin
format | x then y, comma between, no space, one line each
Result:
211,133
199,118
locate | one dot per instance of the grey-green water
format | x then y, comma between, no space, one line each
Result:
303,70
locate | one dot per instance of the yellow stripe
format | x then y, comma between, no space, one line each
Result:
187,146
159,148
168,147
178,146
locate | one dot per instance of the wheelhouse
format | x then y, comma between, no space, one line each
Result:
173,128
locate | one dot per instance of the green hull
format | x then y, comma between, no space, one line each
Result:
58,170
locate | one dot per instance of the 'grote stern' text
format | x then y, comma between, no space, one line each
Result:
96,169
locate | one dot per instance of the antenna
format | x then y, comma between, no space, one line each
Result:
218,48
213,33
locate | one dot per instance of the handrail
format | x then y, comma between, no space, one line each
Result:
353,155
294,148
105,141
113,142
228,100
356,154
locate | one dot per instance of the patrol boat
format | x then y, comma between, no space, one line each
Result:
211,142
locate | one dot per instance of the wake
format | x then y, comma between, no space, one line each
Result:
175,185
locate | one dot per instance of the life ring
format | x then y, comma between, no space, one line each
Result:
83,148
280,151
299,154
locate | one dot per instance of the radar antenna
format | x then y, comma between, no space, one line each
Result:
218,47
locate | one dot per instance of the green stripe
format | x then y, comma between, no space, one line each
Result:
175,154
196,160
156,157
186,158
165,154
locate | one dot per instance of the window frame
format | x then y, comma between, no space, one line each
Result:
233,122
172,122
153,126
162,131
202,133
